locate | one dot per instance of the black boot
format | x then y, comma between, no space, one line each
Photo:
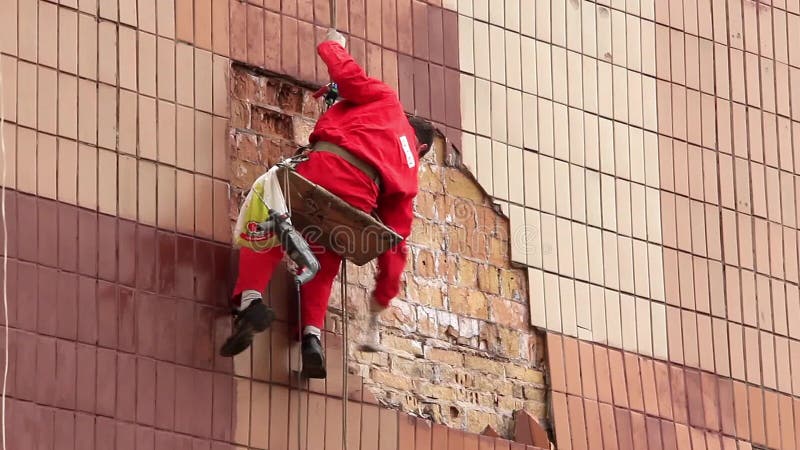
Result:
313,357
256,318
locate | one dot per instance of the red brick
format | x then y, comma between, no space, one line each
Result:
48,232
105,432
436,35
203,273
203,349
126,387
451,97
405,67
26,367
322,13
305,10
84,432
12,229
106,384
145,391
255,35
45,432
420,27
422,88
358,19
27,300
272,123
289,7
11,293
437,92
166,255
66,371
221,428
508,313
185,268
67,237
165,395
86,362
183,325
48,298
127,320
125,436
289,43
146,258
307,53
127,253
164,440
87,310
27,213
238,30
107,314
46,389
166,332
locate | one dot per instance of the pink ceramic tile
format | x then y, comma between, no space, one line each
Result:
742,415
788,433
736,340
756,409
768,363
721,357
749,301
556,359
745,230
588,378
761,237
561,419
603,372
752,355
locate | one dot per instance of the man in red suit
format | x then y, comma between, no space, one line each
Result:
366,151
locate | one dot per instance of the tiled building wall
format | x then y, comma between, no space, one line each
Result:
646,152
459,352
115,130
119,212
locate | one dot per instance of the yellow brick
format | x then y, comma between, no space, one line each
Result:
512,285
397,381
489,279
467,273
459,184
509,403
430,179
484,364
445,356
477,420
406,345
524,373
468,302
437,391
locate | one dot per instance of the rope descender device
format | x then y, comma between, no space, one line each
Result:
293,244
330,92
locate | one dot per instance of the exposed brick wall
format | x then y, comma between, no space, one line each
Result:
461,351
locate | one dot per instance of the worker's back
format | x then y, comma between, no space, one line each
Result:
379,134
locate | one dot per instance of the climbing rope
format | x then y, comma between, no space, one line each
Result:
288,196
343,282
345,353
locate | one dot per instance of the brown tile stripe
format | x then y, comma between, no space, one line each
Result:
645,398
145,371
413,46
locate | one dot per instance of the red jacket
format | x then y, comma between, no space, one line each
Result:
370,123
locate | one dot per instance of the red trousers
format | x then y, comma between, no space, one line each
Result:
255,269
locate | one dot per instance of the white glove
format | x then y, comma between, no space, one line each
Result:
335,36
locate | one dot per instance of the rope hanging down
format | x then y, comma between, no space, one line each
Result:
343,282
345,352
